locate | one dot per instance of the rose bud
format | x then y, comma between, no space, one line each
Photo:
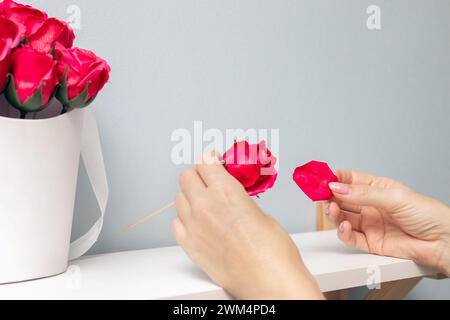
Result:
11,30
31,91
82,75
51,32
314,179
252,165
29,18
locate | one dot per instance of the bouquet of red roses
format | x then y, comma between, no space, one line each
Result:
38,62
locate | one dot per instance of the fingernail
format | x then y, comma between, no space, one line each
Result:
327,209
339,188
341,228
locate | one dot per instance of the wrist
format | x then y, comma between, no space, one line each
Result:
285,284
294,284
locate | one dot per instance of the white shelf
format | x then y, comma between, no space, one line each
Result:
167,273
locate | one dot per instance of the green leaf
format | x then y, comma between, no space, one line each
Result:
90,101
61,91
80,101
62,94
33,104
6,85
11,94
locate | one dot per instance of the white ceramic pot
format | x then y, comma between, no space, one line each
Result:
39,161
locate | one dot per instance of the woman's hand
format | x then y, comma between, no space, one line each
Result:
227,235
384,217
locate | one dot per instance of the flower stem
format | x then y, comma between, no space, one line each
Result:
64,110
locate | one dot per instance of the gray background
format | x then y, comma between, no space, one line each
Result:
375,101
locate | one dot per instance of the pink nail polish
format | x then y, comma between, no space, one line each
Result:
339,188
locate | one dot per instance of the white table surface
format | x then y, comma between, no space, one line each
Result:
167,273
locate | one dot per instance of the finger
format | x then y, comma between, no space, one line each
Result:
353,177
179,232
364,195
183,208
352,238
348,206
211,169
191,184
337,216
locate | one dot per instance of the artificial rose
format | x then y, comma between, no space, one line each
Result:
82,75
11,30
252,165
33,80
31,19
53,31
314,179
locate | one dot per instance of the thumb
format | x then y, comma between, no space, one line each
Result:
365,195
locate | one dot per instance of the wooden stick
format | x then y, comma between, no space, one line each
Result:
323,222
149,217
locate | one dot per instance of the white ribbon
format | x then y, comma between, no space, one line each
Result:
91,152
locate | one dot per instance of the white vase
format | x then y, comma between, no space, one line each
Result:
39,161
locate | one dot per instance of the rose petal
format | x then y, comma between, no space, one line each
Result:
314,178
246,174
43,75
11,30
51,32
242,153
262,185
28,17
5,49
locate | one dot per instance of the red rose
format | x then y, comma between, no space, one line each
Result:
82,76
314,179
11,30
28,17
51,32
31,91
252,165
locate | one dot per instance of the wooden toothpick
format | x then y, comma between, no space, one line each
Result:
149,217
